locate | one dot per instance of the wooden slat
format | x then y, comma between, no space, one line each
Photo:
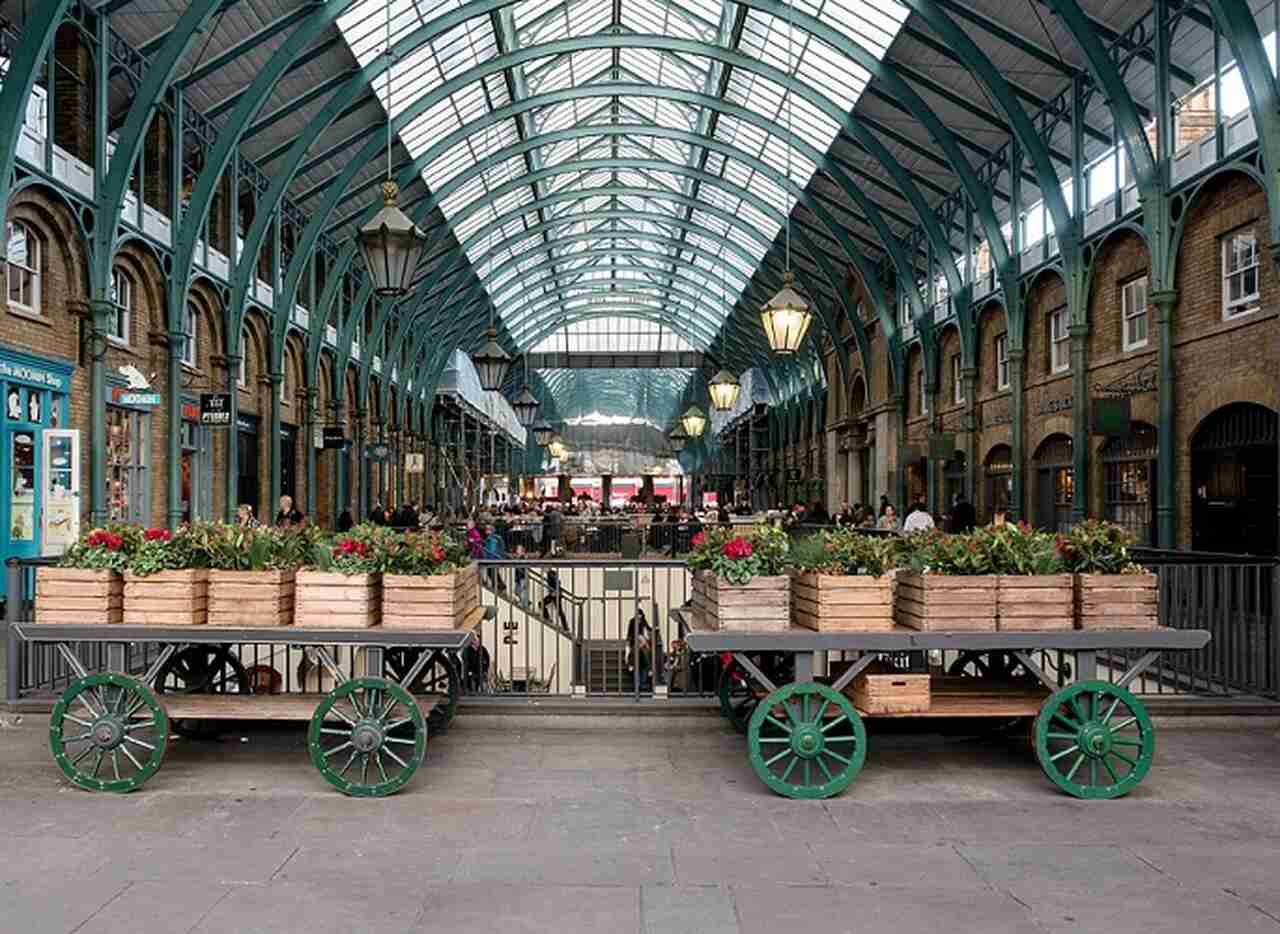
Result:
257,706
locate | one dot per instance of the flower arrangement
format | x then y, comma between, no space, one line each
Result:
426,554
104,548
738,558
1018,549
259,548
159,549
1097,547
845,552
363,550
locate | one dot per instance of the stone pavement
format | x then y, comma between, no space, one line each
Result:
627,825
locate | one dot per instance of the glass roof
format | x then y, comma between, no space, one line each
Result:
613,334
626,214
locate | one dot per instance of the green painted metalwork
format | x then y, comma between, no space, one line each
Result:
797,750
737,697
108,732
1094,740
362,727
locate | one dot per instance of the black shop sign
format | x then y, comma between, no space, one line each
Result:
215,409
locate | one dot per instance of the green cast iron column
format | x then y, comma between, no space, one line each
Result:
174,442
932,493
274,380
900,471
969,379
1018,404
311,498
1166,463
232,465
99,316
1079,421
360,466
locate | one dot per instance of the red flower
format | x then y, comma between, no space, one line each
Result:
437,553
737,549
698,540
158,535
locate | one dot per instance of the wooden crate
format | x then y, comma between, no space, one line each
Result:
890,693
328,600
440,601
251,598
1035,603
167,598
763,605
939,603
72,595
836,603
1117,601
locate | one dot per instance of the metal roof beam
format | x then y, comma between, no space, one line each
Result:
152,45
295,104
248,44
229,102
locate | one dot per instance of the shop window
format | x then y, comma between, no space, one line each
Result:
957,380
284,390
922,394
23,255
190,328
1239,273
122,297
242,377
1133,307
1002,361
1059,342
998,473
1128,473
127,486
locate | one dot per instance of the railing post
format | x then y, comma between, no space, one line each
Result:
13,645
1274,674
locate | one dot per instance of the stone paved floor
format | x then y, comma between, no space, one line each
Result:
622,825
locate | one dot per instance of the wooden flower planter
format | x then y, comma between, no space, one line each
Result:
1117,601
842,603
1035,603
167,598
432,602
328,600
251,598
763,605
939,603
71,595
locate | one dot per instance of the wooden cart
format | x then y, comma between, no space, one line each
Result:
806,738
367,735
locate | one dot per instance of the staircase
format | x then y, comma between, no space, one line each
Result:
606,666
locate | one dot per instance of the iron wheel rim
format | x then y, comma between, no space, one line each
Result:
1095,740
367,724
118,724
804,753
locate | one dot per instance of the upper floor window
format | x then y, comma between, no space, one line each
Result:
1133,309
922,394
284,390
1239,273
1059,342
957,379
23,256
242,378
1002,361
191,331
122,293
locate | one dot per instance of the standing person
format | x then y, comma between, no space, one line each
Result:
552,524
522,577
345,522
963,516
884,504
376,515
492,550
288,516
1000,516
552,599
475,539
644,648
244,517
918,520
889,518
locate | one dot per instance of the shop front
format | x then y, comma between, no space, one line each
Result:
128,476
288,462
248,456
40,461
197,464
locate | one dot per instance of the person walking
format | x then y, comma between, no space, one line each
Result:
552,599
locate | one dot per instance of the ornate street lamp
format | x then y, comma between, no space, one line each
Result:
678,438
694,421
526,404
491,361
391,243
543,433
724,387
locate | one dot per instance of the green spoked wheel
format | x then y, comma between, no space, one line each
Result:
108,733
202,669
1002,666
1094,740
806,741
367,737
441,676
737,697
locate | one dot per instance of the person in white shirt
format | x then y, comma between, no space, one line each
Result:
918,521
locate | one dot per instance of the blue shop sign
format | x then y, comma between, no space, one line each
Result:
19,367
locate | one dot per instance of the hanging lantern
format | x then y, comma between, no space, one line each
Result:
786,318
678,438
525,406
392,245
724,389
694,421
557,449
492,362
543,433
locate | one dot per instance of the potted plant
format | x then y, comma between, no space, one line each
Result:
842,581
740,581
1112,591
86,585
948,582
1034,588
167,580
253,572
341,585
430,583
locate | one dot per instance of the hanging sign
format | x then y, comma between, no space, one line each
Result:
215,409
138,392
333,439
1111,417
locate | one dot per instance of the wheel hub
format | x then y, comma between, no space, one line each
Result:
806,741
366,737
108,733
1094,740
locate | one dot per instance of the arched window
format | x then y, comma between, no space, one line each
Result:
191,330
1128,474
122,297
23,255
